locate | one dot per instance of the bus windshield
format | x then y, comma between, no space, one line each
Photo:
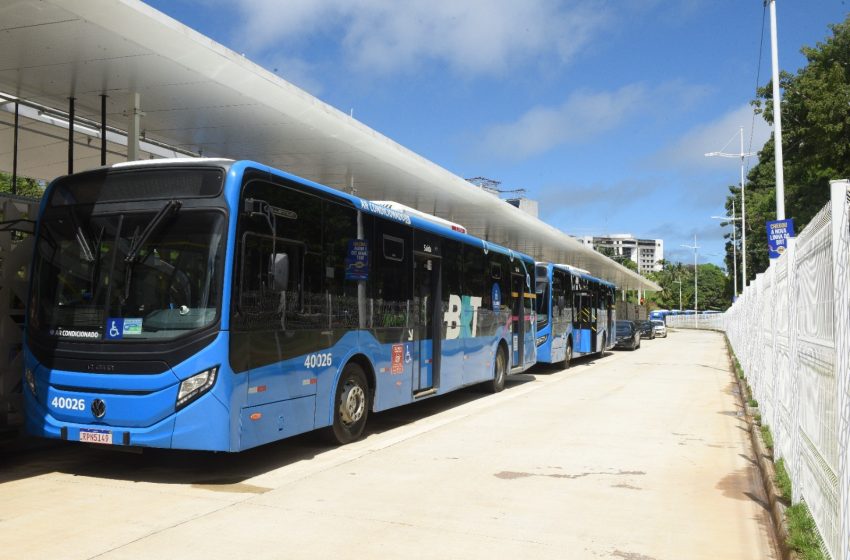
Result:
127,276
542,303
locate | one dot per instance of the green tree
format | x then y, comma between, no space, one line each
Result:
668,297
815,143
712,284
25,187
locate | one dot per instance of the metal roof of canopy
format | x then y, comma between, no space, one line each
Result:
199,97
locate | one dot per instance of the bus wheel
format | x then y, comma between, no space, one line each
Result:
351,405
500,372
568,356
604,345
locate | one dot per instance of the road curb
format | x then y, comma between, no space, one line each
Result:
767,473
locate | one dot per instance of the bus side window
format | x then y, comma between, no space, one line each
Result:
499,274
476,284
495,271
560,288
451,272
312,308
339,230
298,229
392,284
254,275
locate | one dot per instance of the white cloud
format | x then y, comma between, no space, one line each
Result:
583,116
720,135
471,36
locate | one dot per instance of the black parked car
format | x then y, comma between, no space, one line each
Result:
647,329
628,335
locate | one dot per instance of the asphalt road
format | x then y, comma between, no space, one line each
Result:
639,455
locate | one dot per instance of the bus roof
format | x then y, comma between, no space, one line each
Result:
368,206
577,272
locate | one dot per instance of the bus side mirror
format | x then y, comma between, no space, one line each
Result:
279,268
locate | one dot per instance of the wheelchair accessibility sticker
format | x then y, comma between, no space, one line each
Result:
117,329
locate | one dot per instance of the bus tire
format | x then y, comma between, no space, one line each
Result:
500,371
351,406
568,355
604,345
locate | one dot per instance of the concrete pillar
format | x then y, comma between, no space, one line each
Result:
15,150
134,114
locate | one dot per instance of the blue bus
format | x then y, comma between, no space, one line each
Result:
221,305
660,314
575,314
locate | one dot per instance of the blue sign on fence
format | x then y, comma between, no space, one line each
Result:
357,260
778,233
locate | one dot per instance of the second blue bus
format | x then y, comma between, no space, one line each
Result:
575,314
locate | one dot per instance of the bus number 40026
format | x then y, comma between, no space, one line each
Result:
324,359
68,403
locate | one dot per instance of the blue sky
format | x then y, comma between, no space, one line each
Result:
601,109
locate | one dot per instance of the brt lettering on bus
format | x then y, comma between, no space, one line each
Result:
461,317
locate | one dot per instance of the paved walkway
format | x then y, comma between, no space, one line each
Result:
640,455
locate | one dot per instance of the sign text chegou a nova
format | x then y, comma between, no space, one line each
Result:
778,233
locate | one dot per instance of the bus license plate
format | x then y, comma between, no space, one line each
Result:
96,436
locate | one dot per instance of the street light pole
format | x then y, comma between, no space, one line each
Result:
733,219
777,117
742,154
696,284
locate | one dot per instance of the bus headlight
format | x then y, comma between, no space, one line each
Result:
195,386
30,379
542,339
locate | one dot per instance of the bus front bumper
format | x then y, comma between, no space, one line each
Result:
201,425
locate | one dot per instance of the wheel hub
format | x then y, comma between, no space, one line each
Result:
353,403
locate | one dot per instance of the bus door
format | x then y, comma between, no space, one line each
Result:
593,300
517,318
426,293
585,322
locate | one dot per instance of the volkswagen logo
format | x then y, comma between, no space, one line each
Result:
98,408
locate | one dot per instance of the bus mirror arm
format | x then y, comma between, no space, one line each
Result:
256,207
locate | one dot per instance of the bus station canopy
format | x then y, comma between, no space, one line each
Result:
199,98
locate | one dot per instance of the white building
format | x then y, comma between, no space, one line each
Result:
645,253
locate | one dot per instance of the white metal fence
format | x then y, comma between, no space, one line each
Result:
790,330
712,321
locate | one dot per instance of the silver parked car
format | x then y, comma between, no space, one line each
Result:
659,328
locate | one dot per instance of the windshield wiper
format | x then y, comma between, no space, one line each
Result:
171,207
80,235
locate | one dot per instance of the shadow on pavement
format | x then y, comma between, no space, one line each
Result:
32,457
581,361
